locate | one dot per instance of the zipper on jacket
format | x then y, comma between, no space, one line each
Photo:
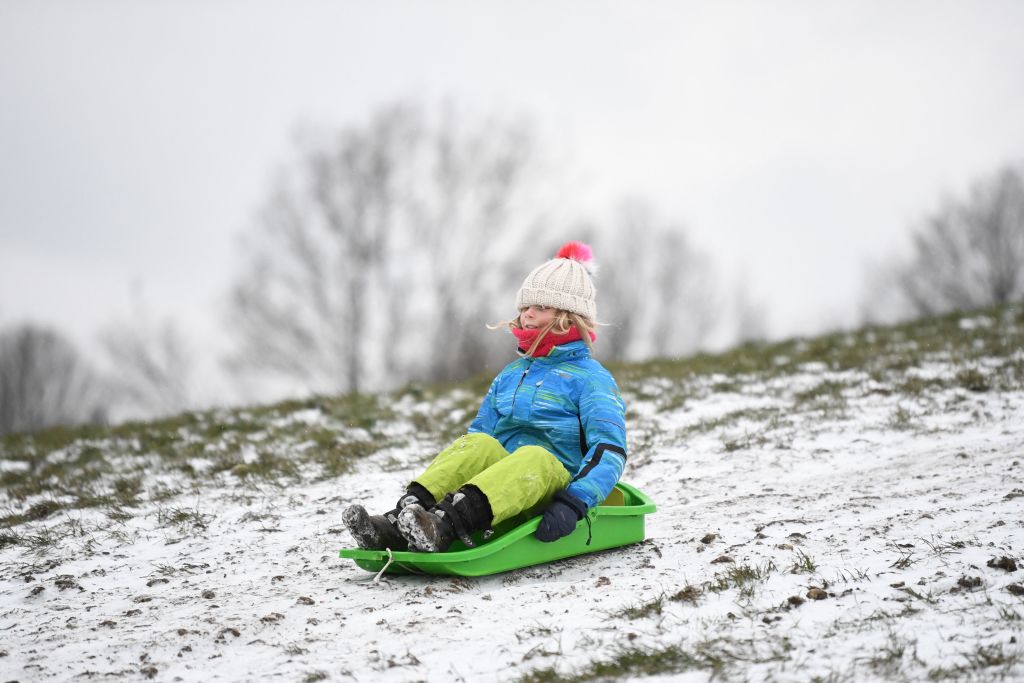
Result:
515,394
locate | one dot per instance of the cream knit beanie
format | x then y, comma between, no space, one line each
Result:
563,282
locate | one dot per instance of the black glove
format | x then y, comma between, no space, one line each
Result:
416,493
561,516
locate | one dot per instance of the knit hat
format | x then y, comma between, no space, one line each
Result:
563,282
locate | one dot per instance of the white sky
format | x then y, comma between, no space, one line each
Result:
796,140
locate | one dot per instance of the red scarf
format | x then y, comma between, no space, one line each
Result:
550,340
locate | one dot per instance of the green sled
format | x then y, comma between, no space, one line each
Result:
618,521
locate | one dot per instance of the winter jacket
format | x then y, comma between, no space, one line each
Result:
567,403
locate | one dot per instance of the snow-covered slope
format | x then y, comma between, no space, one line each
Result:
848,508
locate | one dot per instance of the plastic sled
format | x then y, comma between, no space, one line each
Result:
618,521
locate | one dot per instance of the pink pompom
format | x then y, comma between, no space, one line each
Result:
577,251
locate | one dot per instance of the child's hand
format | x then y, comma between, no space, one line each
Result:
561,517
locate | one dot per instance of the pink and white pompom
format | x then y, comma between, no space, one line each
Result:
580,252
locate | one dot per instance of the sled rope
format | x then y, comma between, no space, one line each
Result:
391,558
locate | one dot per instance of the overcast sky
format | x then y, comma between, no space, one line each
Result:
795,140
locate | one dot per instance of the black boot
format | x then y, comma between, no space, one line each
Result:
456,516
372,532
378,532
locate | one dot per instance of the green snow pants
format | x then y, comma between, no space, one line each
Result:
513,482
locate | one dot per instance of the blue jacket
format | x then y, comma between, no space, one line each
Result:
567,403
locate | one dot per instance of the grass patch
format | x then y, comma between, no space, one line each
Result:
985,662
184,520
118,515
995,655
916,386
762,426
74,461
747,441
688,593
729,419
884,353
903,420
636,661
973,380
10,538
35,512
727,387
268,467
646,609
160,493
803,564
906,557
742,577
888,659
127,490
339,457
827,392
44,539
941,548
1009,614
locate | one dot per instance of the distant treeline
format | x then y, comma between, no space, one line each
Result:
386,248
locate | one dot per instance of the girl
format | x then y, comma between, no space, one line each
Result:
551,433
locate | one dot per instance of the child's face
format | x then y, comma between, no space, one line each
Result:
534,317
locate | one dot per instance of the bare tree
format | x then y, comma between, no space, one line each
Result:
151,368
750,315
969,254
656,290
472,223
374,258
44,382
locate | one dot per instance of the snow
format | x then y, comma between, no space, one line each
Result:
309,417
13,466
975,323
894,521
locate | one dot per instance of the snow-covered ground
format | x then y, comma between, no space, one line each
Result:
870,535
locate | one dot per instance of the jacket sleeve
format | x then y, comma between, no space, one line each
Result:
487,417
603,419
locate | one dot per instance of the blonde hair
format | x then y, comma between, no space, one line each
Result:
560,324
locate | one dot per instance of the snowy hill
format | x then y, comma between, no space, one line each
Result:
841,508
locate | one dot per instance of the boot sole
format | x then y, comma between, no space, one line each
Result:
411,525
366,535
357,521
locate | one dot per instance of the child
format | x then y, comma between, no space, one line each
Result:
551,433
